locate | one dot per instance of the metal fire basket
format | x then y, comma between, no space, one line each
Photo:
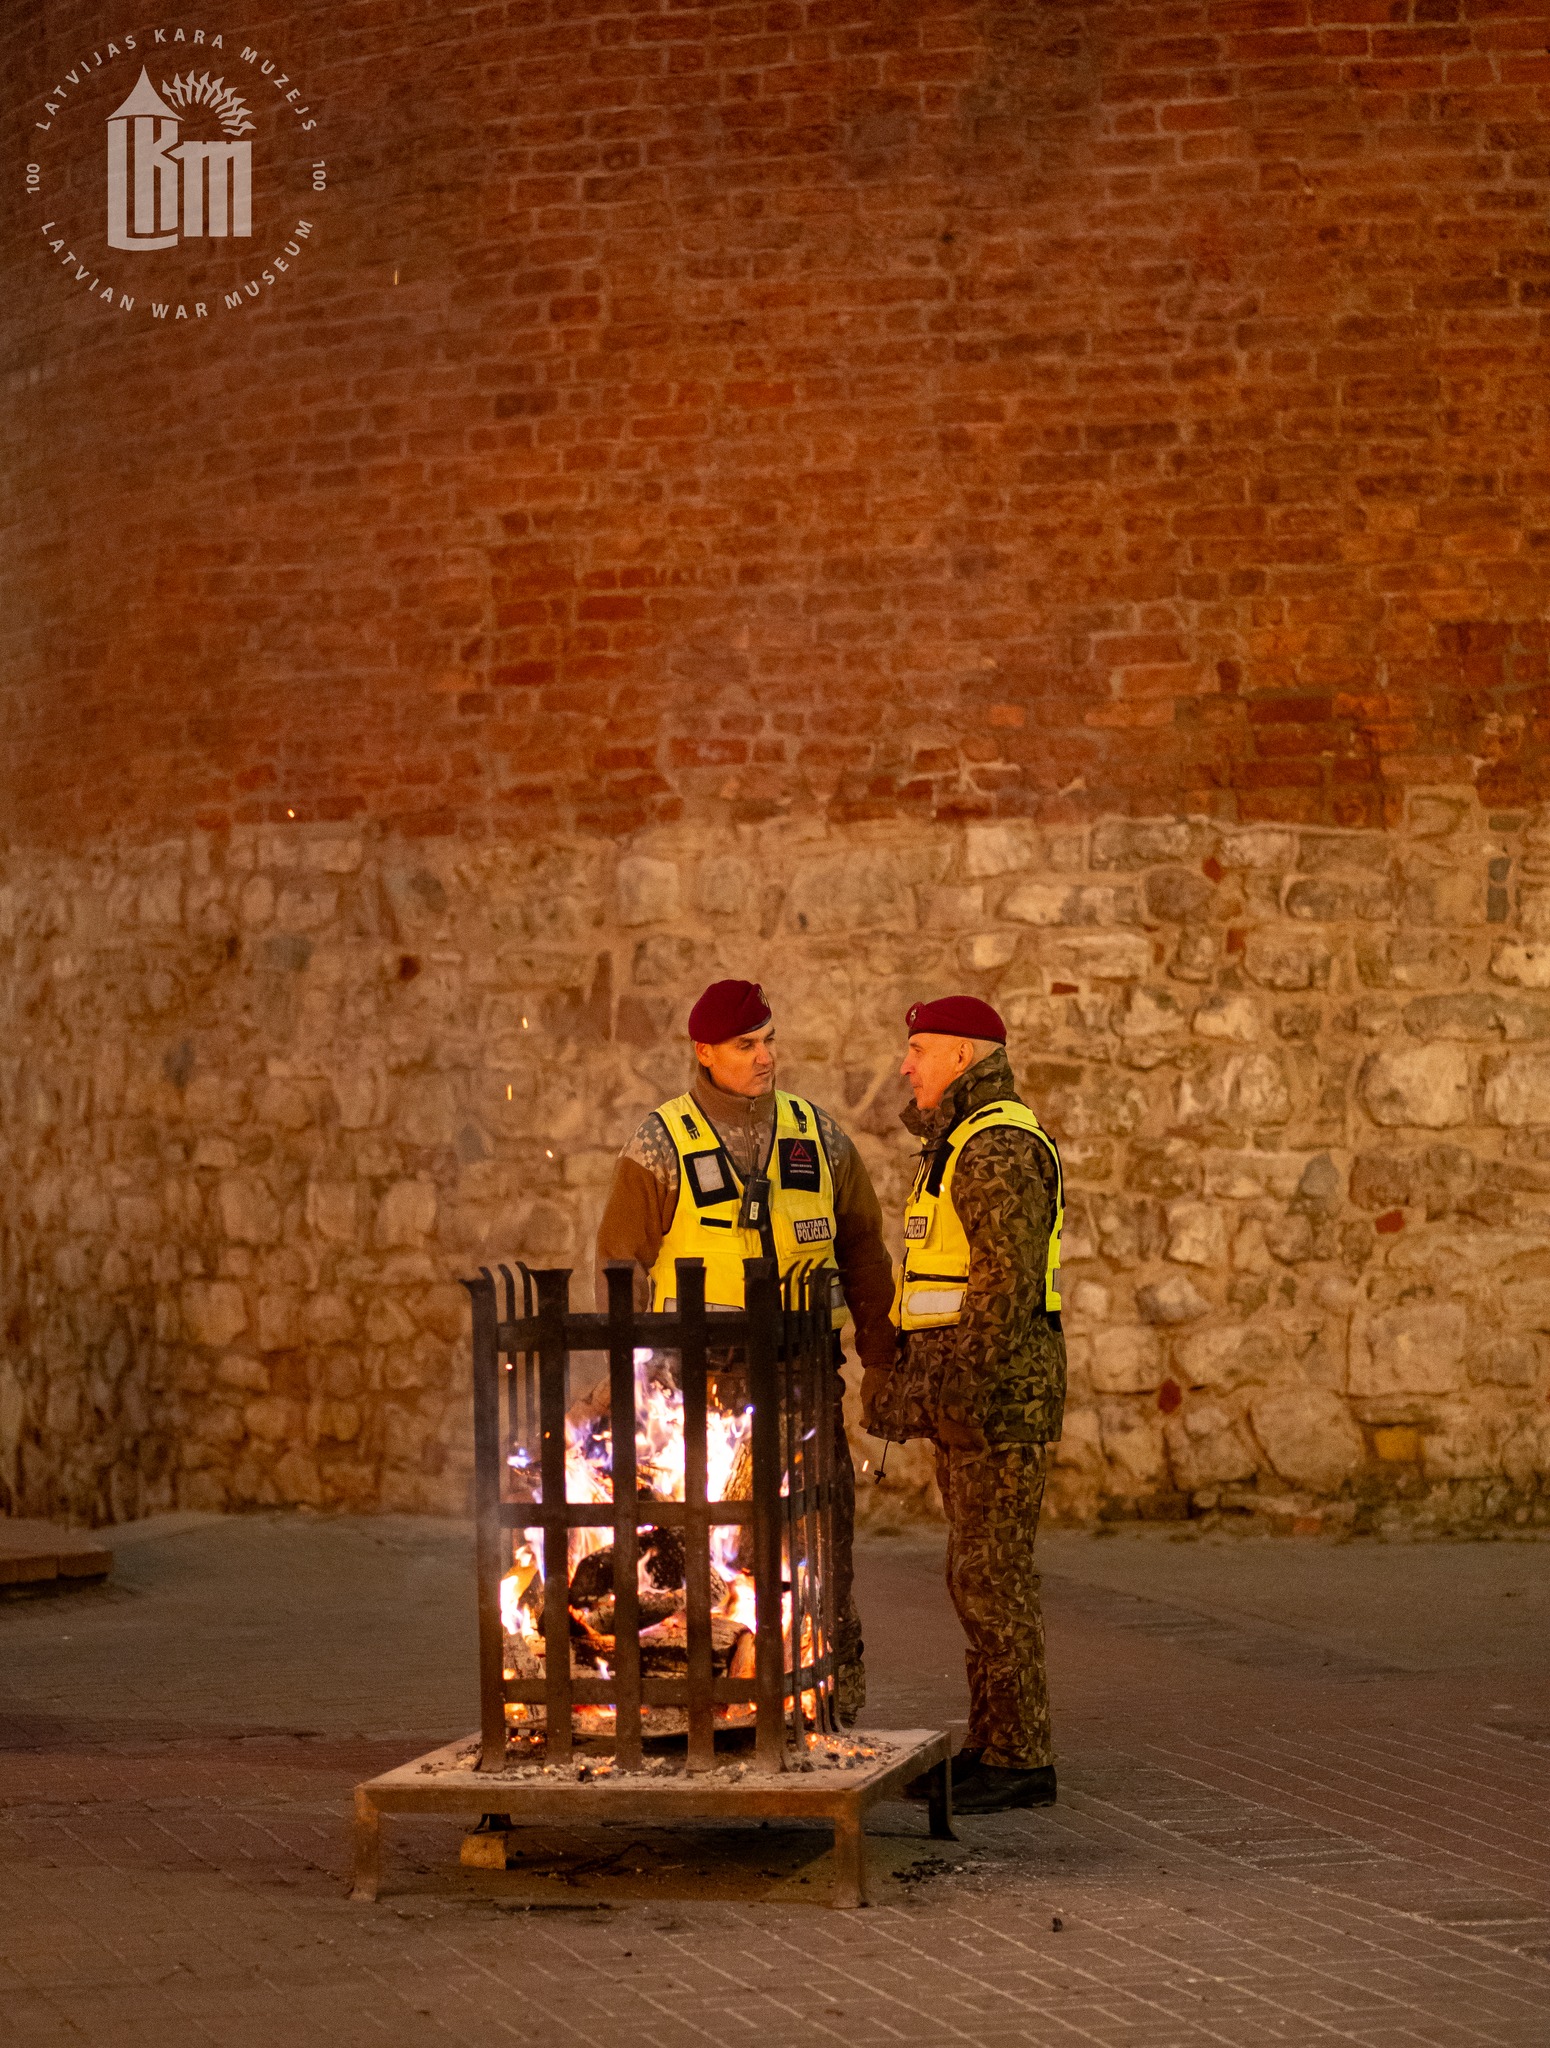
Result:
522,1395
784,1544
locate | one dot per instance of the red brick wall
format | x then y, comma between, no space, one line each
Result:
878,408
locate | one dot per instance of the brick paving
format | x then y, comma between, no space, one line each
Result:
1290,1813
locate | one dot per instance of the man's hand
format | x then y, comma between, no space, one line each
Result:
958,1435
874,1384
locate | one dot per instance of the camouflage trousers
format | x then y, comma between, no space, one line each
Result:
992,1498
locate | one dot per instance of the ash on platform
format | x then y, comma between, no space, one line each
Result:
525,1761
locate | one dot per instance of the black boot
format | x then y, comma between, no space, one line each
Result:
965,1764
997,1791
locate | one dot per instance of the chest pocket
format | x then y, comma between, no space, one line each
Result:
709,1178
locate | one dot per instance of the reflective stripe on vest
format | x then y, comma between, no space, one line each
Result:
710,1195
935,1274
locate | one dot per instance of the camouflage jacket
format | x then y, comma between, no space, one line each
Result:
1003,1364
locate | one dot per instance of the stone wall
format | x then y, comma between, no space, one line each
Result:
268,1092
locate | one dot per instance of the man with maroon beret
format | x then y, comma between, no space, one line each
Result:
981,1372
736,1168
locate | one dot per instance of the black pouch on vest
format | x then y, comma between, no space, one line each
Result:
755,1211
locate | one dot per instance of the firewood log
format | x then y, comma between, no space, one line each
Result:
664,1648
521,1660
739,1484
663,1550
653,1606
593,1577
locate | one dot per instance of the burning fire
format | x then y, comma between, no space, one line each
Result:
659,1451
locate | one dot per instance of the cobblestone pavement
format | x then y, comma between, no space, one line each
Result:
1305,1798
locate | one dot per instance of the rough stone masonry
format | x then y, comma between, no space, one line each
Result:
883,495
267,1096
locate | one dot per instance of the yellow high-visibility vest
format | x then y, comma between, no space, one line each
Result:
934,1278
710,1198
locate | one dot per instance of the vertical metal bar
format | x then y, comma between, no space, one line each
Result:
761,1293
510,1414
802,1429
621,1408
529,1375
488,1536
791,1449
553,1304
825,1365
692,1374
812,1486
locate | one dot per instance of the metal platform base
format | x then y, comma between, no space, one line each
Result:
445,1782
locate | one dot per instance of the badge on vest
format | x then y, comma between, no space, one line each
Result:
710,1179
914,1227
812,1229
799,1164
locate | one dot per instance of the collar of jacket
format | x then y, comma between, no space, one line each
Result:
988,1080
742,1116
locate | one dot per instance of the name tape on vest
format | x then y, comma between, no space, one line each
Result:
812,1229
914,1226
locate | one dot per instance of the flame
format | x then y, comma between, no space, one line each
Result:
524,1569
660,1460
740,1604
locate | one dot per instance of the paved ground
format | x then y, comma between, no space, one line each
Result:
1305,1798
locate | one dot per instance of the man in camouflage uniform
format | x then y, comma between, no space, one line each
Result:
985,1379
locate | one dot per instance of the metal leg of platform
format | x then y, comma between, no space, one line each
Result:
939,1802
849,1859
367,1871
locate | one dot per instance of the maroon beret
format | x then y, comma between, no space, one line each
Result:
957,1017
726,1010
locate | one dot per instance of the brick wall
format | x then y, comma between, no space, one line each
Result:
740,424
890,410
